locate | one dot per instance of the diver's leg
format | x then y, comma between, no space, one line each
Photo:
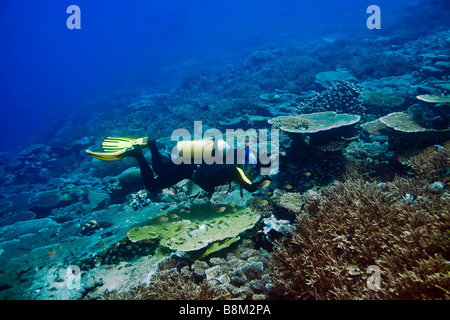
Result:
157,162
146,171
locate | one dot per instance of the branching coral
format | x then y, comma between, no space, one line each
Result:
343,96
355,224
430,165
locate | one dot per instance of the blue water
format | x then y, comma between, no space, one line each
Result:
49,72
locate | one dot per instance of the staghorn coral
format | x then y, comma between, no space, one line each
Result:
429,165
400,226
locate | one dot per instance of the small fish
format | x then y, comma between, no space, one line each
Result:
291,166
174,216
179,228
162,219
116,244
264,202
51,253
232,205
264,184
100,243
308,174
221,209
288,186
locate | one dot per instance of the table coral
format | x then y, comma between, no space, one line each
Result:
203,226
314,122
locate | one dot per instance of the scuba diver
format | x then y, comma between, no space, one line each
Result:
206,176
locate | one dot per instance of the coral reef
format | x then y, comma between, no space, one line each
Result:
400,226
292,202
314,122
344,199
290,122
341,97
404,132
329,78
243,274
325,131
434,98
171,285
139,200
202,227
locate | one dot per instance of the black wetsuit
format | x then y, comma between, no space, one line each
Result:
206,176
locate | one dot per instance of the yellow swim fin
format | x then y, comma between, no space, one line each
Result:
112,144
107,156
243,176
115,148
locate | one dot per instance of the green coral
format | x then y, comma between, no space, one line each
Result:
205,226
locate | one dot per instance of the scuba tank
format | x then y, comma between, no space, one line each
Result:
200,150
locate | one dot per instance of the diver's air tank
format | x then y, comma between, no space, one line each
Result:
199,150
